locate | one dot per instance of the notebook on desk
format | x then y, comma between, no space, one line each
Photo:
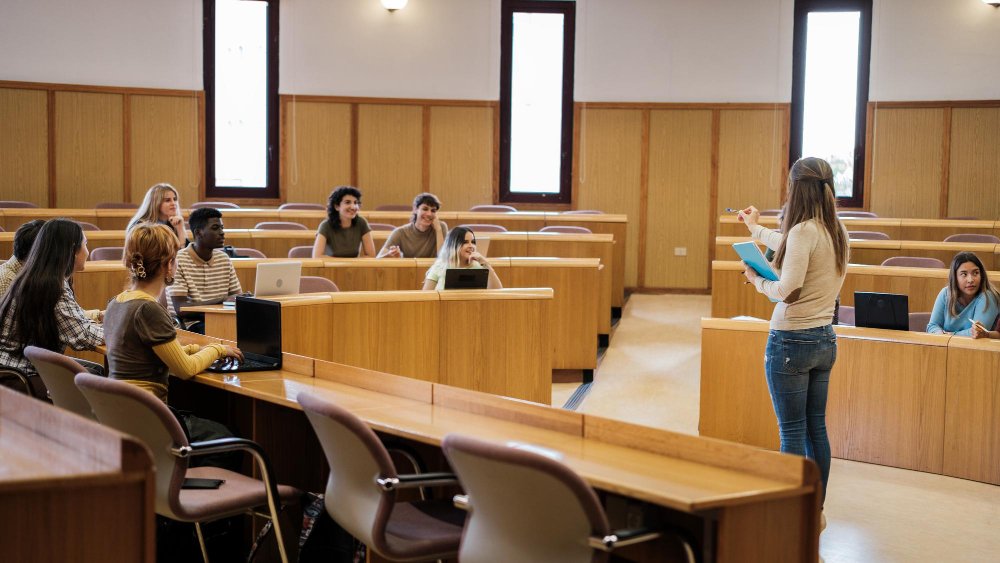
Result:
258,336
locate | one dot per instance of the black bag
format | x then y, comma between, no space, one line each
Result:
322,539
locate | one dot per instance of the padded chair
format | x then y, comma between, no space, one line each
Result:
770,212
493,209
249,253
582,212
132,410
382,227
316,284
394,207
867,235
524,506
856,215
87,226
918,322
913,262
116,205
300,252
846,315
568,229
301,206
16,204
57,372
281,226
361,491
16,379
973,237
483,228
215,204
107,253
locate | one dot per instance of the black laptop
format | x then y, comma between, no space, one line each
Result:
881,310
466,278
258,336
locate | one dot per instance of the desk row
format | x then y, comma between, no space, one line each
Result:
896,229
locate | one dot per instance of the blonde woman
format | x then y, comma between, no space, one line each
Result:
459,251
162,205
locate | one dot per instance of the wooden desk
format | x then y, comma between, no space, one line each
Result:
898,229
71,489
904,399
738,502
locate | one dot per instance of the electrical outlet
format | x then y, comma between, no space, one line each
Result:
680,251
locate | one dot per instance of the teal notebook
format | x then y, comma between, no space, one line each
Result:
750,253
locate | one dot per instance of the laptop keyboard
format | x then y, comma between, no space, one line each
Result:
232,364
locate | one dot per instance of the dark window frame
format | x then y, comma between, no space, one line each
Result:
802,10
507,10
271,191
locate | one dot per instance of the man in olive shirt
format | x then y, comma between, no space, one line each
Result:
422,237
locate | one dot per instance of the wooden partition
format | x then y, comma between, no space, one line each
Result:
931,230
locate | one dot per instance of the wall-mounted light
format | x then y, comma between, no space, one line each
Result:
393,5
994,4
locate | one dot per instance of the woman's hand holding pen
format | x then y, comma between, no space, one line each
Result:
749,216
978,330
749,273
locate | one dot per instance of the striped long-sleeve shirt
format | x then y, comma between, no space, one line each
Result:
202,281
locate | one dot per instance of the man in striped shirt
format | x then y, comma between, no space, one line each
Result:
205,275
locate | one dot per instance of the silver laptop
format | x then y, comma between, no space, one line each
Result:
277,278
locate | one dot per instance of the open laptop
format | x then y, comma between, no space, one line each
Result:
258,336
277,278
466,278
881,310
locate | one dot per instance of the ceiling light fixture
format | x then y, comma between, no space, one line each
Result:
393,5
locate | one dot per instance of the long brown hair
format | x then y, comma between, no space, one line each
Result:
149,248
149,210
984,282
811,196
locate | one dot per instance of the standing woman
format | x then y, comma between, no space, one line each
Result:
969,305
40,308
344,233
811,253
161,205
459,251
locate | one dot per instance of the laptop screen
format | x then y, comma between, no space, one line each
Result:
881,310
466,278
258,326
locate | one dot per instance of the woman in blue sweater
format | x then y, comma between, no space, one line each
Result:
969,305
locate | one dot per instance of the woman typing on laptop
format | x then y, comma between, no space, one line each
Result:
969,304
459,251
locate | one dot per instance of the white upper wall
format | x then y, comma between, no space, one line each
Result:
142,43
626,50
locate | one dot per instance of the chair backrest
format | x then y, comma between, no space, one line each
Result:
913,262
12,204
524,506
215,204
493,208
918,322
57,372
845,315
867,235
132,410
116,205
394,207
281,226
382,227
356,458
569,229
87,226
973,237
483,228
249,252
770,212
300,252
107,253
303,206
582,212
856,214
965,218
316,284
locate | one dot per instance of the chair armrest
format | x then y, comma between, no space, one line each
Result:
414,480
622,538
223,445
461,502
22,377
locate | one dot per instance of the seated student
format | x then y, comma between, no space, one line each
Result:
422,237
162,205
205,275
40,309
458,251
969,297
23,239
344,233
142,341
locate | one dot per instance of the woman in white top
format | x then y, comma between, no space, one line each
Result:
811,254
459,251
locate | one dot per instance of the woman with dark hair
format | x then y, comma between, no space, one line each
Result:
458,251
162,205
811,253
24,239
969,305
344,233
423,236
40,308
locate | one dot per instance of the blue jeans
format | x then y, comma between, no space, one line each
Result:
798,364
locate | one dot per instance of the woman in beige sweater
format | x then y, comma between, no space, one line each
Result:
811,253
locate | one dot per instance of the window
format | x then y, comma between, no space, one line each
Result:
536,101
241,91
831,52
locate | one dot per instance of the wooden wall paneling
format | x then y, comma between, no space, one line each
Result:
164,146
24,169
679,177
974,176
753,164
390,153
461,156
610,170
972,415
317,150
906,162
89,148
